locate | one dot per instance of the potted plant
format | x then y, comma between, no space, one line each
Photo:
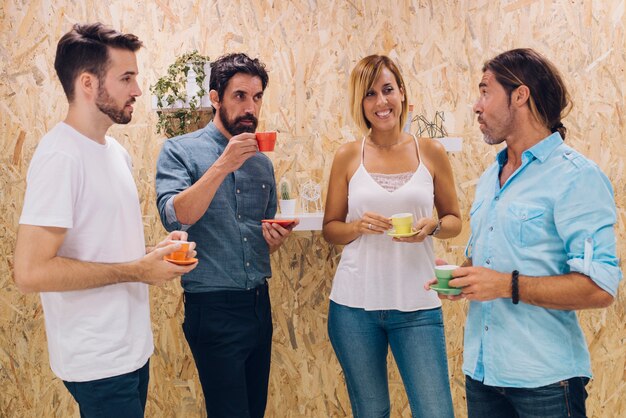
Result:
286,201
181,96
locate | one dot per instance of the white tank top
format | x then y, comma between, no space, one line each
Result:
376,273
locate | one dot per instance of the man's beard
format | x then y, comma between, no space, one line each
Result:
494,138
235,127
106,105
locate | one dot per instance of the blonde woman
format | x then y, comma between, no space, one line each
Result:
378,298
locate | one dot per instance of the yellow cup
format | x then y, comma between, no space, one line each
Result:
402,222
181,254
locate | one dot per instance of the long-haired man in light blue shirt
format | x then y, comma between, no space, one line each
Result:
542,247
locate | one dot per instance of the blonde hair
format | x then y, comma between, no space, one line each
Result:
363,76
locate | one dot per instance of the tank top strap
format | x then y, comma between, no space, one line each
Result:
417,147
363,148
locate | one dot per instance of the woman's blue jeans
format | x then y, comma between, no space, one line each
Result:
361,339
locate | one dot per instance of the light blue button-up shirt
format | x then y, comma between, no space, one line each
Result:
232,252
553,216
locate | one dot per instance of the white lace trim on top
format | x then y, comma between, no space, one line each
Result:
392,182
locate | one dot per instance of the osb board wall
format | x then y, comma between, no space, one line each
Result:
309,48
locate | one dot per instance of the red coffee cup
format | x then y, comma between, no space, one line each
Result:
266,141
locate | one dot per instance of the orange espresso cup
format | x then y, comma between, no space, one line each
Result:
181,254
266,141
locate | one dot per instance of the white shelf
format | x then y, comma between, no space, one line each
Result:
308,221
451,143
313,221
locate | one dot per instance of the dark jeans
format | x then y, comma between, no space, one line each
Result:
122,396
558,400
230,336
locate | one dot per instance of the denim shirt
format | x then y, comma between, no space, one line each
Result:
554,215
232,252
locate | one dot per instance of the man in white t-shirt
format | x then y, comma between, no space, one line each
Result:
80,241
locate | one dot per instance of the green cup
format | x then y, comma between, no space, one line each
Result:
444,274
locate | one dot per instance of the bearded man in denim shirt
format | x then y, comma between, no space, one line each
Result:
216,185
542,246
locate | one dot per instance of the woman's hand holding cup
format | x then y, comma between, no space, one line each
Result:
421,229
373,223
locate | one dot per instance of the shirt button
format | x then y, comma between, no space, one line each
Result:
491,228
486,328
238,191
247,264
488,261
497,197
263,186
524,217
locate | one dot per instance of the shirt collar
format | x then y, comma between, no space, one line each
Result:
540,151
216,134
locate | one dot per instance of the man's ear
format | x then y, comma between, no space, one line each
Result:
521,95
215,99
87,84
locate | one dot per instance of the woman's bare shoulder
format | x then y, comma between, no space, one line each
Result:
431,147
348,151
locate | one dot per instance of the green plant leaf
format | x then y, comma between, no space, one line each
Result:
173,87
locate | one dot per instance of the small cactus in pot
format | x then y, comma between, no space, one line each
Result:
286,201
285,190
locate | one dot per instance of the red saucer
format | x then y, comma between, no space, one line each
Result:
282,222
181,262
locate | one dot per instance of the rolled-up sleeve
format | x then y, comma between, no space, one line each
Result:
172,177
585,217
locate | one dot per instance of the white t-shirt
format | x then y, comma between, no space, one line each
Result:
88,188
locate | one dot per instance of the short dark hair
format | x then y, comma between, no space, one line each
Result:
226,66
85,49
549,99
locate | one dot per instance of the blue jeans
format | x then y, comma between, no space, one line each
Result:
558,400
122,396
361,340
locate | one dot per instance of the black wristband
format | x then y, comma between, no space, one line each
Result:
515,287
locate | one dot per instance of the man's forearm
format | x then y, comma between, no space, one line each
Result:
191,204
61,274
566,292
